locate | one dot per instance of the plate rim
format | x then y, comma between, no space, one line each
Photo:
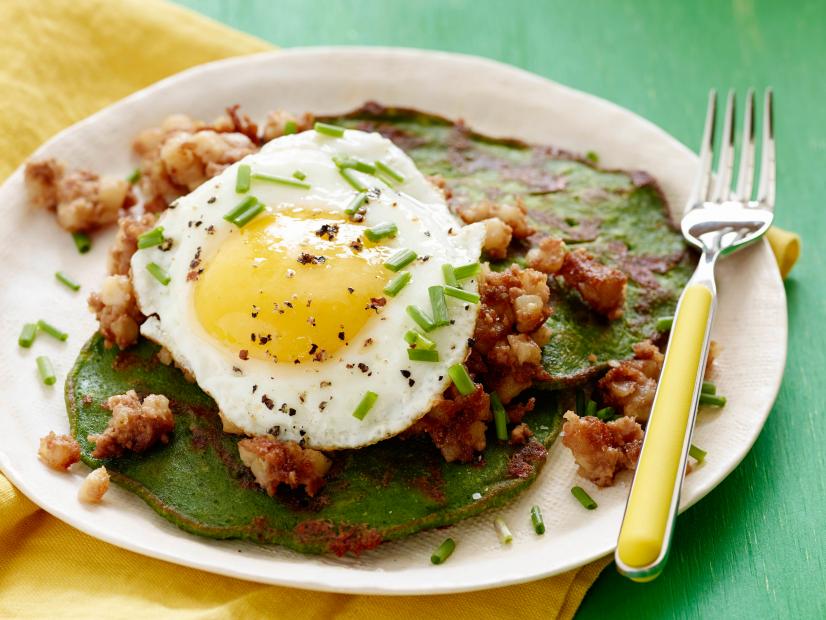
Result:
369,584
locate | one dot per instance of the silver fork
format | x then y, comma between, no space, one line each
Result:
718,220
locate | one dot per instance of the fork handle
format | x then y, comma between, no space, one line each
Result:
644,540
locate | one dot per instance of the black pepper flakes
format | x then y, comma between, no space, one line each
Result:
211,200
327,230
267,402
308,259
351,290
363,367
341,335
405,373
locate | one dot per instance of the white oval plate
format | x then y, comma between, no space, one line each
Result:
493,98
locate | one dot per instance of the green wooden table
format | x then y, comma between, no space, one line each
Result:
755,547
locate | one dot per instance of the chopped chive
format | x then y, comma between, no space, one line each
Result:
242,206
422,355
46,370
439,305
536,520
709,388
417,341
463,272
53,331
353,181
500,418
367,402
247,216
83,242
592,156
393,174
381,231
583,498
244,213
358,200
242,179
326,129
591,408
158,273
458,293
290,127
400,260
462,380
67,280
449,276
421,319
443,552
696,453
134,176
272,178
363,166
150,238
27,335
354,163
605,414
398,282
299,175
580,403
664,323
712,400
502,531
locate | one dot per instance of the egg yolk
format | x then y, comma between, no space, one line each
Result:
293,286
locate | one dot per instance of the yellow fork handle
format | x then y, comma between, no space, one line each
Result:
652,504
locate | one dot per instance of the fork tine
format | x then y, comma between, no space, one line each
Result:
699,193
745,177
766,189
722,189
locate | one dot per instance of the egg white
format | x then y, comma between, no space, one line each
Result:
314,402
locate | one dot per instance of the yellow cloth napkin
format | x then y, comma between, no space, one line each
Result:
62,61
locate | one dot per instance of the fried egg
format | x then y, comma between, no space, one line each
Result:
284,319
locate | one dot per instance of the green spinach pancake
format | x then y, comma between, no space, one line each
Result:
399,486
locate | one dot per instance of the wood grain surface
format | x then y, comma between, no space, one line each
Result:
755,547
